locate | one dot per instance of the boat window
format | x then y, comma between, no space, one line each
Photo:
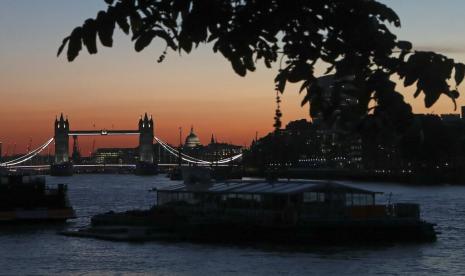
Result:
314,197
228,196
349,199
164,198
309,197
362,199
185,197
338,196
357,199
370,200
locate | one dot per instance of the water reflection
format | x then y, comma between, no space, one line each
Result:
38,250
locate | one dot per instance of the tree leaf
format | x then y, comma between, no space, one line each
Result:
280,80
238,66
455,103
75,44
144,40
384,12
62,46
300,71
329,69
404,45
89,36
185,44
122,22
431,96
454,94
304,86
459,73
105,28
267,63
305,100
168,39
136,22
248,61
410,79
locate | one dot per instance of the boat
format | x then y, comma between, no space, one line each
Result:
175,173
289,212
26,198
146,168
62,169
196,175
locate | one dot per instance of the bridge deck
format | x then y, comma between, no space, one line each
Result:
102,132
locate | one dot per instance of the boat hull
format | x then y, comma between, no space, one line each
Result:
36,215
311,234
167,225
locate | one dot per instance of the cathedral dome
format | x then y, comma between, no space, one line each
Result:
192,140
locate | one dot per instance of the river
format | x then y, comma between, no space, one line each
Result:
38,250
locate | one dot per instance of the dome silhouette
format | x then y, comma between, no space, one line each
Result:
192,140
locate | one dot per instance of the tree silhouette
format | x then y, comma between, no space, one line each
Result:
351,38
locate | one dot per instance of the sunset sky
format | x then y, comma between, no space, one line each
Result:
113,88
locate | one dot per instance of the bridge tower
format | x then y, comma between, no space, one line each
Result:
146,139
61,140
146,135
76,155
61,166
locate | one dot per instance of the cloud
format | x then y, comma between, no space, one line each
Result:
452,49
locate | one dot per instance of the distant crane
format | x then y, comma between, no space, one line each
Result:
29,145
93,142
93,147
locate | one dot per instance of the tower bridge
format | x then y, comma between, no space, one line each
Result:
62,164
145,165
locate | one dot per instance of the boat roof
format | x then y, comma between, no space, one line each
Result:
255,187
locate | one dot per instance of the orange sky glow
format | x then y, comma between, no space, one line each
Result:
113,88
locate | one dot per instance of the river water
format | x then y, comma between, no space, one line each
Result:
38,250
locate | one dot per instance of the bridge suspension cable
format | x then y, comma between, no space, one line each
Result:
200,161
191,159
194,160
184,157
27,156
176,152
22,157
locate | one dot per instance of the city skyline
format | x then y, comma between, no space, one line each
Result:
113,88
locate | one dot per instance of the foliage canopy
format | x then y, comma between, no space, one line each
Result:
351,37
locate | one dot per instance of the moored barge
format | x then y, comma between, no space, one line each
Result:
27,198
282,212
